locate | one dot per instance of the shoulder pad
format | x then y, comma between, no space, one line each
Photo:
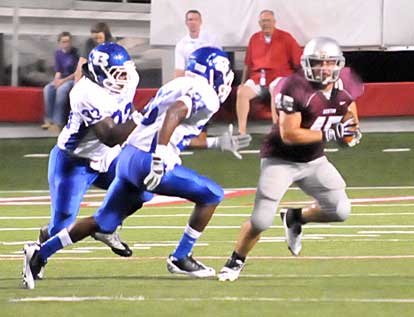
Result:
285,103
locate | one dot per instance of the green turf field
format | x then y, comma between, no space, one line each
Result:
362,267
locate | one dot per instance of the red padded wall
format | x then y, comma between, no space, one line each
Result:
25,104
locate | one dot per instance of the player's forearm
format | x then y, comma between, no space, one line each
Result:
301,136
353,109
112,134
174,116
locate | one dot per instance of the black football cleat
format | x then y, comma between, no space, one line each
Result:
189,266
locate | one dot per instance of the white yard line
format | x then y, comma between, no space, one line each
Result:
354,214
308,227
8,257
141,298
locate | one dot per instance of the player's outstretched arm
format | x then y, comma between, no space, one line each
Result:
229,142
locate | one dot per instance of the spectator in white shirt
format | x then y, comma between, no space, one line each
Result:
195,39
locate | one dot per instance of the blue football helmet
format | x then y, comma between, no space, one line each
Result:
112,67
213,64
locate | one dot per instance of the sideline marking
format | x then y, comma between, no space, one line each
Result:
396,150
354,214
308,227
141,298
6,257
36,155
232,188
160,200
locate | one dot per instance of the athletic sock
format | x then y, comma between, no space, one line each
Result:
235,256
294,217
54,244
186,243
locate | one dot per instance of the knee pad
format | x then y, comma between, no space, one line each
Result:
216,194
263,214
211,194
260,224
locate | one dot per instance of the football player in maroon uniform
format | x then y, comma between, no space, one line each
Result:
315,105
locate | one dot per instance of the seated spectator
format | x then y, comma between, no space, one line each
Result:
100,33
56,93
195,39
271,53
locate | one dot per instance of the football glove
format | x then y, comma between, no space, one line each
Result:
233,143
356,139
339,130
153,179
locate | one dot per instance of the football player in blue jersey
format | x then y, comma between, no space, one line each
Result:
150,161
102,116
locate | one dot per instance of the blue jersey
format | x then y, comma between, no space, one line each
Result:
90,103
202,103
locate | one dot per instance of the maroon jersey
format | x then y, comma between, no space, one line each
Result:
296,94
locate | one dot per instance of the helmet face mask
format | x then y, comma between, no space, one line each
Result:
322,60
112,68
119,77
213,64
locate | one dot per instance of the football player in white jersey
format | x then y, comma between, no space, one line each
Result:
101,118
150,161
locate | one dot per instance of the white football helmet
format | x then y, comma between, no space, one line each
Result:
322,60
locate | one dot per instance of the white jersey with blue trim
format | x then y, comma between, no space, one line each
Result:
90,104
202,102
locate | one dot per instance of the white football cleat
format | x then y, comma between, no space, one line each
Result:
113,241
30,267
189,266
293,232
231,270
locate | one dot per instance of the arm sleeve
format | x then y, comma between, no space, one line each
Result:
248,57
286,100
58,65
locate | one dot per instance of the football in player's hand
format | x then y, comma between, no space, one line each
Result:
352,133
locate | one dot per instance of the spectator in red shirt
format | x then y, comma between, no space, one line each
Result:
271,53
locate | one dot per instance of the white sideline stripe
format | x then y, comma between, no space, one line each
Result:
141,298
8,257
387,232
308,227
396,150
364,234
249,151
233,188
35,155
215,215
45,197
165,199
